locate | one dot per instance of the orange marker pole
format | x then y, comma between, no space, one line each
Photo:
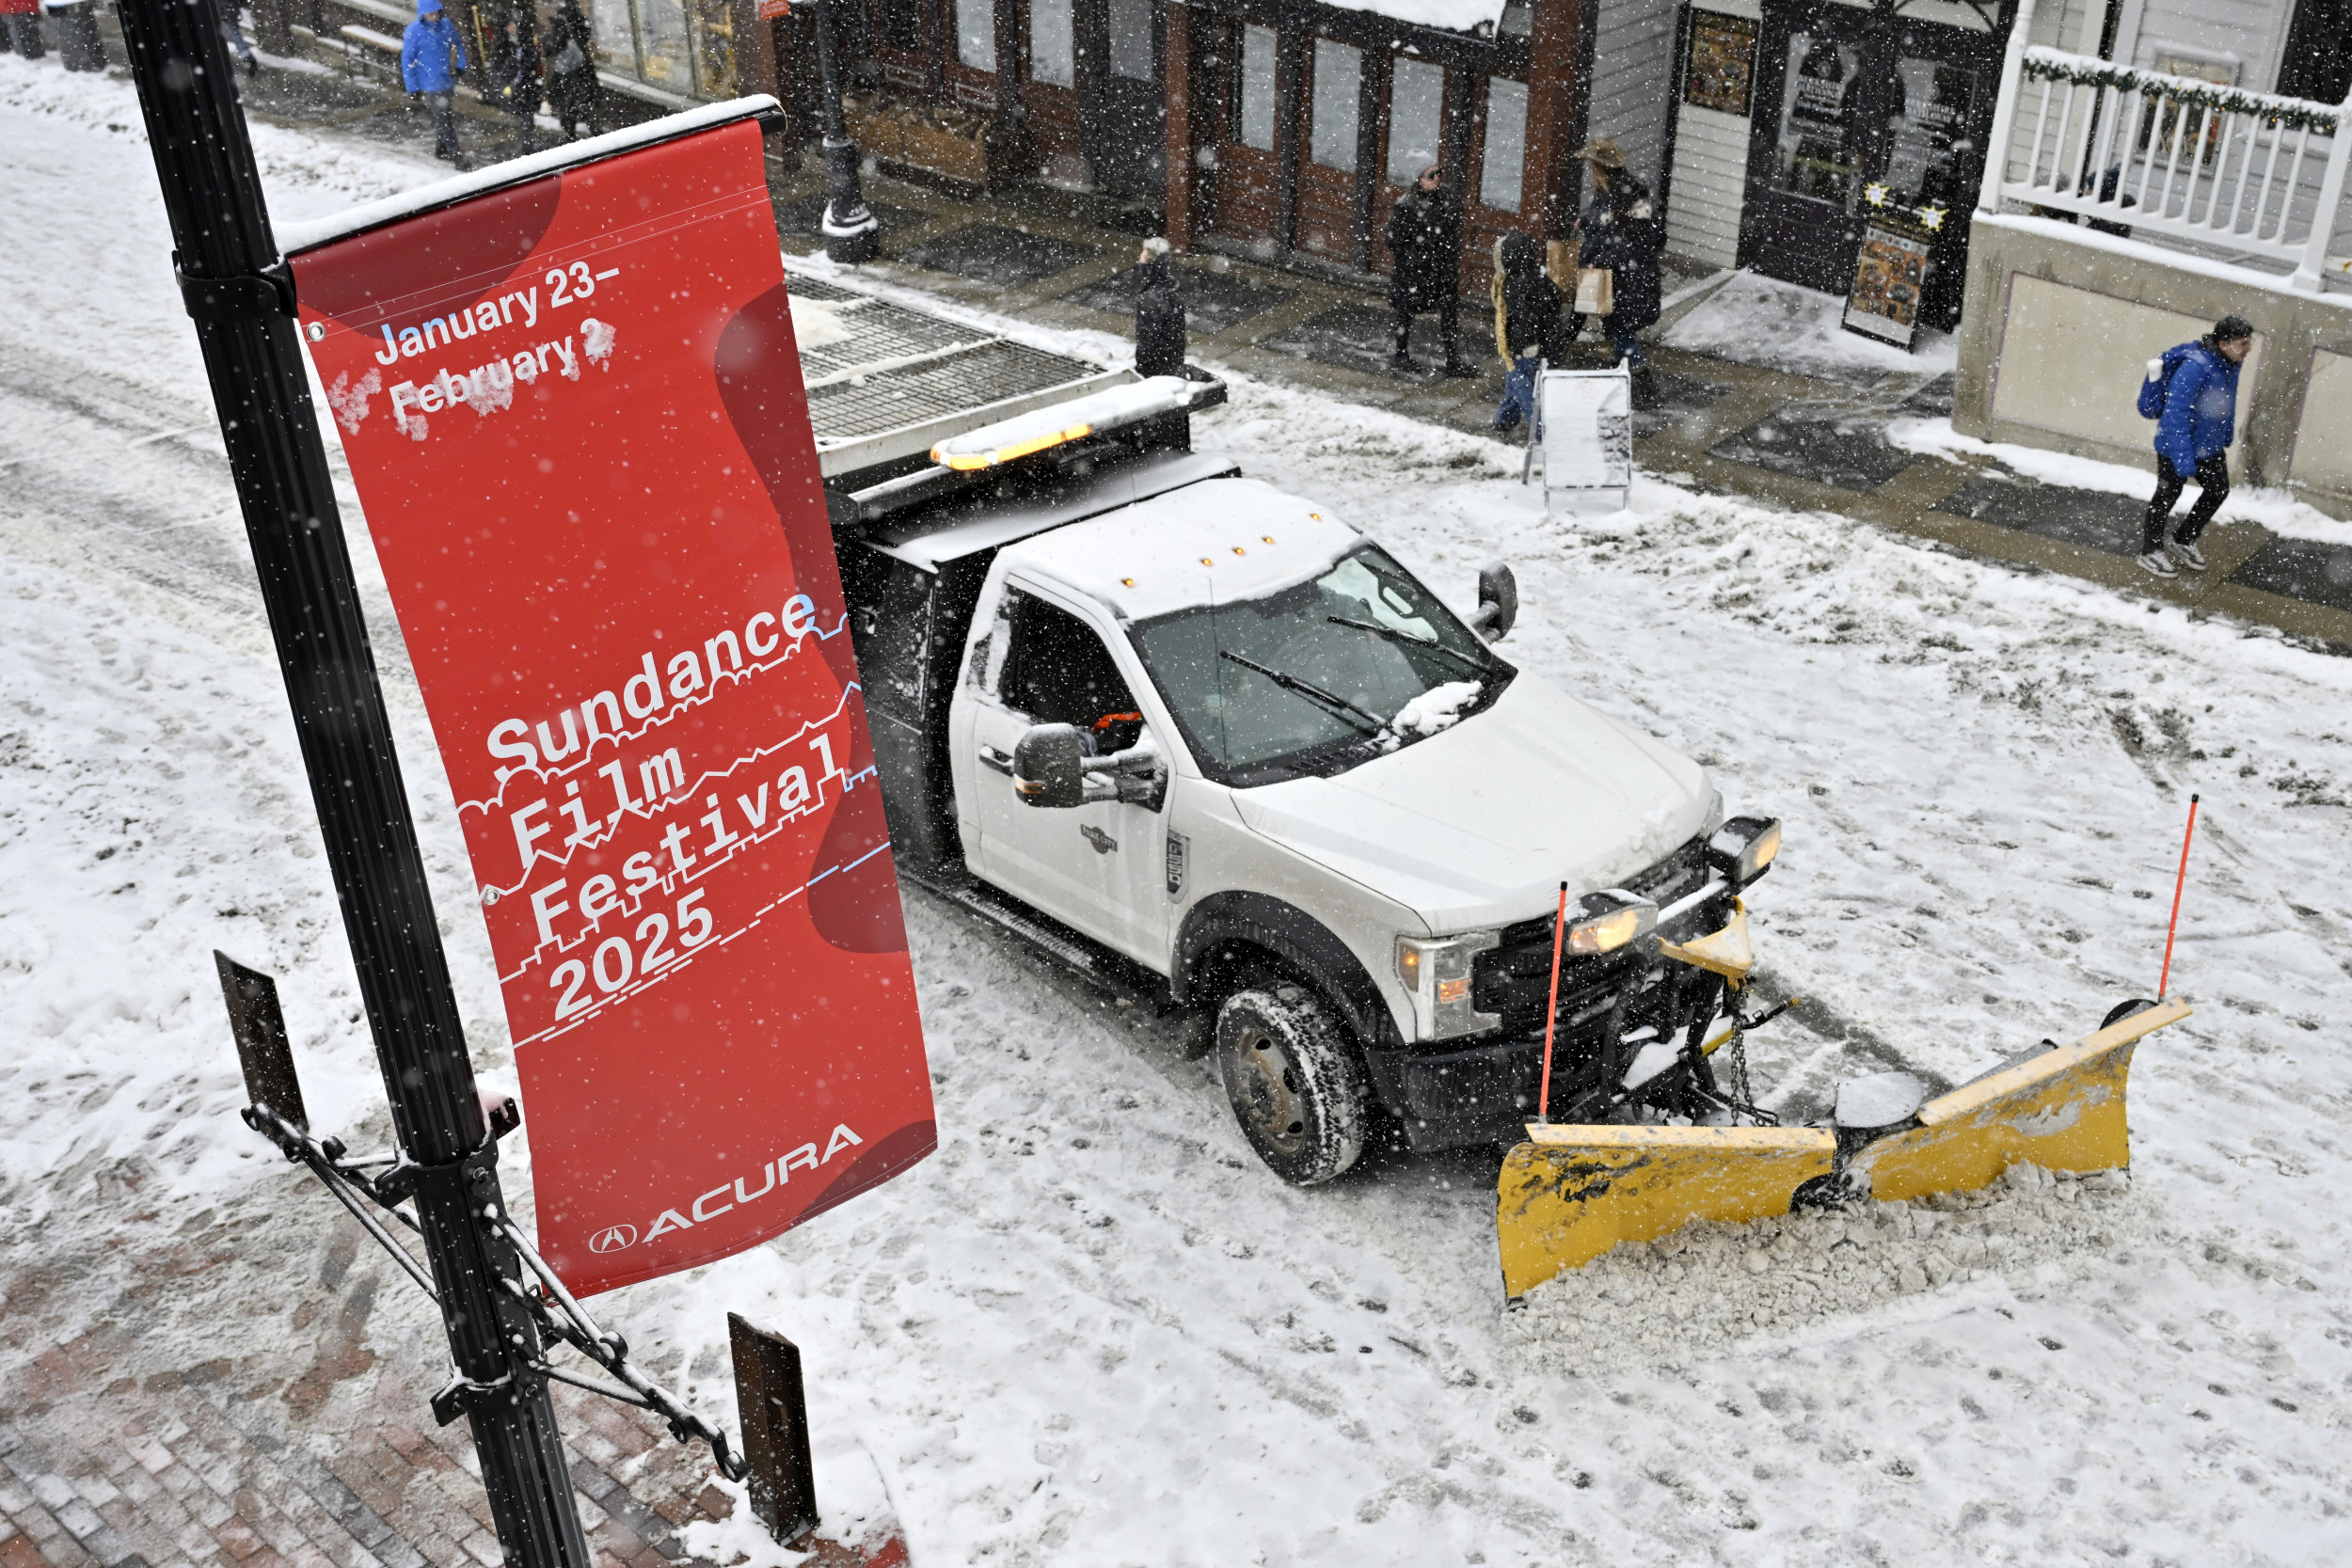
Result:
1552,1014
2178,883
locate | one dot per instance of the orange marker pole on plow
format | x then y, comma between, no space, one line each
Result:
1551,1013
2178,883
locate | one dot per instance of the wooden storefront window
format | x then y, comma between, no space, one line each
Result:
1502,158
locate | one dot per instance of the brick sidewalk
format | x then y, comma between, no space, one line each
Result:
248,1387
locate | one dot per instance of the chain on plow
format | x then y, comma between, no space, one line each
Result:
557,1313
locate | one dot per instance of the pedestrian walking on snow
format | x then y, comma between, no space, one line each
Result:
2191,392
1159,312
78,44
432,56
514,72
573,91
23,19
1618,230
1424,237
1527,320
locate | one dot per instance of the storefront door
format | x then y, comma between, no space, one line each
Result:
1127,118
1328,152
1247,188
1846,99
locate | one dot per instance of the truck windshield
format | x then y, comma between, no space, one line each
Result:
1318,677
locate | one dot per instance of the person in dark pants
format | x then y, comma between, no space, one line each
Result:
22,19
432,56
1424,237
78,44
573,90
1527,320
1618,230
2196,422
1159,312
514,72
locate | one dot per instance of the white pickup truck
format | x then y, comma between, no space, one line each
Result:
1208,742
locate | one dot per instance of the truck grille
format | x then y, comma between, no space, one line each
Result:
1515,977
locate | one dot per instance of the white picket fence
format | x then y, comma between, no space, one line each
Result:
2242,173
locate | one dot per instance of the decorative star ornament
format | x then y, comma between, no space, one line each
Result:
1932,217
1875,195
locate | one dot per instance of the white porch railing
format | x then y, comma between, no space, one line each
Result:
2168,156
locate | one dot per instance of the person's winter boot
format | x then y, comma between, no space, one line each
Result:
2188,555
1454,366
1645,394
1404,362
2157,563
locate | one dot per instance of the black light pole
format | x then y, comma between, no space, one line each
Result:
242,299
853,232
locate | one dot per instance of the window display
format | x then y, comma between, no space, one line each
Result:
1815,155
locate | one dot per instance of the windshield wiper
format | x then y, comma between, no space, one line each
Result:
1309,690
1398,634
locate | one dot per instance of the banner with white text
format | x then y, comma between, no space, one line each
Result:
574,416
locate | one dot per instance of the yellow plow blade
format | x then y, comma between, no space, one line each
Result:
1570,1194
2062,1110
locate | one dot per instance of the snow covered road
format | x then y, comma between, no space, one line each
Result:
1092,1329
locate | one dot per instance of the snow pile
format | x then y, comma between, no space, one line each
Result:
1438,708
1708,1289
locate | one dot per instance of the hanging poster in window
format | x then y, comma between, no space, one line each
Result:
1814,157
1721,71
1889,272
572,411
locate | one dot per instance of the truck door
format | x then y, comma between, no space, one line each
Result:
1099,867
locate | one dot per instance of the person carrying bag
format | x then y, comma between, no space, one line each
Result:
1618,241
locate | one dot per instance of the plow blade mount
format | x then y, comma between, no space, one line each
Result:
2061,1110
1570,1194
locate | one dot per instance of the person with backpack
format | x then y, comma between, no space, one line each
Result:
432,56
2191,392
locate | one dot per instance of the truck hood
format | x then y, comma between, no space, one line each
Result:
1479,824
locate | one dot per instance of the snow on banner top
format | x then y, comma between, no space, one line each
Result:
299,236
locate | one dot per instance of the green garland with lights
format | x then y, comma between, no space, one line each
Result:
2292,115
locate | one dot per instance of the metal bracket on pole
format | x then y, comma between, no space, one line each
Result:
243,297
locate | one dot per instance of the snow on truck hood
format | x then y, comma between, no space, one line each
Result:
1478,826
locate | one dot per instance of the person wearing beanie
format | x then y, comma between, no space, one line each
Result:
1159,312
2191,392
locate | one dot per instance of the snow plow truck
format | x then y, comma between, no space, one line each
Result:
1209,744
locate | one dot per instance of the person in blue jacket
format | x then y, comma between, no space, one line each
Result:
2196,422
431,56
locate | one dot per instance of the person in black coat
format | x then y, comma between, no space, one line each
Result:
573,91
1527,324
1159,312
1424,237
514,70
1620,231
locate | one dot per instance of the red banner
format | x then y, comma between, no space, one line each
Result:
574,415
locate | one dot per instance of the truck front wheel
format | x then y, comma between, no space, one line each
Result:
1296,1087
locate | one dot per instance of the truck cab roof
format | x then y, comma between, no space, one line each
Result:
1217,539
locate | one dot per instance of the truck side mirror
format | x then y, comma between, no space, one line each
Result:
1049,767
1498,602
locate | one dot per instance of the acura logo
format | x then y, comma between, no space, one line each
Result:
612,1238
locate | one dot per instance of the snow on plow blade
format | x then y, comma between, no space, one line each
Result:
1570,1194
2061,1110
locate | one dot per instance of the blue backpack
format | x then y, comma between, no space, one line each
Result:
2159,385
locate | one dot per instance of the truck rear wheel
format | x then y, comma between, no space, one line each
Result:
1294,1085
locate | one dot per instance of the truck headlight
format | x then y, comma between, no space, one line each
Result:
1744,847
1436,971
1610,920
